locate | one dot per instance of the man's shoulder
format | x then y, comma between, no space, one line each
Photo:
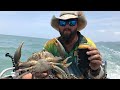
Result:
51,42
90,41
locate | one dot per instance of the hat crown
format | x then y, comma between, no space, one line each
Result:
76,13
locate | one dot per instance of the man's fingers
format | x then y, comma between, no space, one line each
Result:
27,76
92,48
97,56
98,62
93,52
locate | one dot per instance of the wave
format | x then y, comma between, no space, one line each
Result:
112,57
113,70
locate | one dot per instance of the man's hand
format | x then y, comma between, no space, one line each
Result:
29,76
95,58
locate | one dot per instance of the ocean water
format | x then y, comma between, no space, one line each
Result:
110,52
8,44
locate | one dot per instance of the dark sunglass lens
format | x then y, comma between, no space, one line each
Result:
72,22
62,23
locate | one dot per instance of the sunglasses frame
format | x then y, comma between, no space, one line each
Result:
68,21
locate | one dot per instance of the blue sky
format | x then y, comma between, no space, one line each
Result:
101,25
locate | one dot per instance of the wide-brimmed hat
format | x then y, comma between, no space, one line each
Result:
70,15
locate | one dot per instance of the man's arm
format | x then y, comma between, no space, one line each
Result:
97,66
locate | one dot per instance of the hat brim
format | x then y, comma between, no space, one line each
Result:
81,21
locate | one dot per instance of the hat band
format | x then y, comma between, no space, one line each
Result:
68,13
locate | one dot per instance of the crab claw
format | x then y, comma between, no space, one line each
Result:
65,64
27,64
60,71
24,70
17,54
20,76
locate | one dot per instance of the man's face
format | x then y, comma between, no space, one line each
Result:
67,28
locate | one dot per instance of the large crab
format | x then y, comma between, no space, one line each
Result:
41,62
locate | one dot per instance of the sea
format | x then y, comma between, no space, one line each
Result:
110,52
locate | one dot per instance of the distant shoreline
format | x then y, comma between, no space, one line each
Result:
24,36
49,38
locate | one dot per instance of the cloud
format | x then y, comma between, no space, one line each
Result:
106,19
108,22
102,31
117,33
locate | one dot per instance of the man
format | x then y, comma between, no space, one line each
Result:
69,24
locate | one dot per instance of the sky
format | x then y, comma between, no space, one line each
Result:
101,25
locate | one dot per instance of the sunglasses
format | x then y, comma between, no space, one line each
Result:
71,22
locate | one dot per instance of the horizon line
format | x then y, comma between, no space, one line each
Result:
48,38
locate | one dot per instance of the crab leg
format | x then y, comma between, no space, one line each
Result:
59,70
31,69
20,76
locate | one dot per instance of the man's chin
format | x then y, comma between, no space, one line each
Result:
66,38
67,34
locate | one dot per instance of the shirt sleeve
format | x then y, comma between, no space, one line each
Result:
90,42
101,74
51,47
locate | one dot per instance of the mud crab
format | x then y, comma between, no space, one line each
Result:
41,62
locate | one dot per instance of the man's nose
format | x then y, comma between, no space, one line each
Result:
67,25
